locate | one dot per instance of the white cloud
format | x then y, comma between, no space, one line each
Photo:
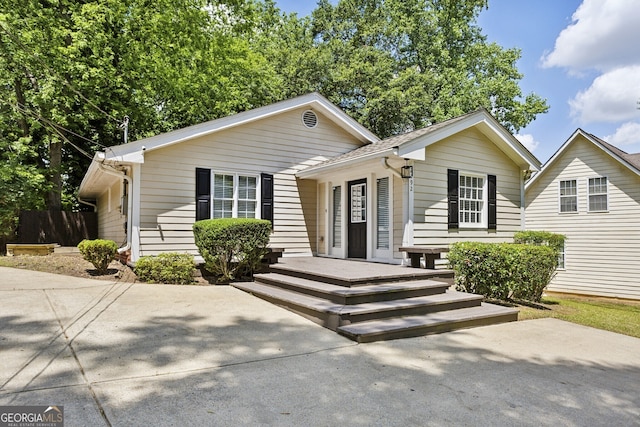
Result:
603,35
612,97
528,141
627,134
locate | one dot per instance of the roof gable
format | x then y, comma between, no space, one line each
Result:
630,161
133,151
411,145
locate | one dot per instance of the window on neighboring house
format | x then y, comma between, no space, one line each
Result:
472,200
561,258
598,197
568,193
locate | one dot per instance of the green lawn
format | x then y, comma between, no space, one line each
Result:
612,315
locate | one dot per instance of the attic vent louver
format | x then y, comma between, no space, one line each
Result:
310,119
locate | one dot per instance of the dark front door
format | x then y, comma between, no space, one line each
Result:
357,231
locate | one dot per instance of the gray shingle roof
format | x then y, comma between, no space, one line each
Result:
631,159
388,144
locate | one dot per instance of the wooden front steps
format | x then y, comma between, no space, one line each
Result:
392,303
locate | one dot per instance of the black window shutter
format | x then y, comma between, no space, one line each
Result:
452,197
203,194
266,199
492,222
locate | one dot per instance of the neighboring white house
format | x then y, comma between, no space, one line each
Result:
330,187
590,192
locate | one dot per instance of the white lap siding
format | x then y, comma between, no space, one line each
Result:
280,145
471,152
602,248
111,222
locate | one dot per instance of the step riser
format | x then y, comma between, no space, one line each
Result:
437,329
410,311
445,277
355,299
327,320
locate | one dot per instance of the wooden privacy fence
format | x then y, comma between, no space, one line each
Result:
63,228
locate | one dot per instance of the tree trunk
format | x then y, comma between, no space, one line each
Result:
54,202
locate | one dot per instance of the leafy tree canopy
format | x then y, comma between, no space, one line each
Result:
71,70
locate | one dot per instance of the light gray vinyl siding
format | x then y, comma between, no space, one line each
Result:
279,145
111,222
469,151
602,248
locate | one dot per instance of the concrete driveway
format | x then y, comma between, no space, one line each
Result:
132,355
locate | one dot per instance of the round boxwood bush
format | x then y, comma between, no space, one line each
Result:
99,252
232,247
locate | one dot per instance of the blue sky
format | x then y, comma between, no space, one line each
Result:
582,56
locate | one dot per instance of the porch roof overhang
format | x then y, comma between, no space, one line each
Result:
102,174
412,145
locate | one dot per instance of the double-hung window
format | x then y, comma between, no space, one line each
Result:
568,194
472,201
598,197
234,196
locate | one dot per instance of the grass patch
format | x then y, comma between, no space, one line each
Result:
601,313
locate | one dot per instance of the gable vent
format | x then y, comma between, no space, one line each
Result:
310,119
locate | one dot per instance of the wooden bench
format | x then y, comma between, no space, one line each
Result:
430,255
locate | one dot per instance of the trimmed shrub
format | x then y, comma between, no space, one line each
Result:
545,238
99,252
232,247
503,270
170,268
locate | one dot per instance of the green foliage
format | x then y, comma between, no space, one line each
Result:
98,252
532,237
393,65
503,270
171,268
232,247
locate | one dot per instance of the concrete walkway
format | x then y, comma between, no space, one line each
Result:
134,355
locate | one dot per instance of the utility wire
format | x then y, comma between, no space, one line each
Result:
53,126
64,80
24,109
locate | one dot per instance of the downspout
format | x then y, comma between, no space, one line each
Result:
387,166
127,179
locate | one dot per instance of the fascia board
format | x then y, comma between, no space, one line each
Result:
313,100
558,154
338,165
489,127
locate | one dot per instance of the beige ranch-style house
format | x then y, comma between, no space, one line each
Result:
330,187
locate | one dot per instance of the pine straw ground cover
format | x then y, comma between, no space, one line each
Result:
621,316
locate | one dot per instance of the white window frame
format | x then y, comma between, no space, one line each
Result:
358,203
606,194
236,196
562,258
560,196
379,227
484,212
